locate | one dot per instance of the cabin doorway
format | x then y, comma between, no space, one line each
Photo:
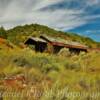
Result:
36,45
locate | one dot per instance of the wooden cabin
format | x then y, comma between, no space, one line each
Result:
58,44
37,44
53,45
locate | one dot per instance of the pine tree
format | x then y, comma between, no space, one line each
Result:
3,32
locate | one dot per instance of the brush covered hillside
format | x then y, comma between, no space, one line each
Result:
29,75
20,34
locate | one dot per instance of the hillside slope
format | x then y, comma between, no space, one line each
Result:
23,70
21,33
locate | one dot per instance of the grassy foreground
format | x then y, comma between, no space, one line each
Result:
49,77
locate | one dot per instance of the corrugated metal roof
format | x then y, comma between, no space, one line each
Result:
66,42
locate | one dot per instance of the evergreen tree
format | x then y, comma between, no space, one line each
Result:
3,32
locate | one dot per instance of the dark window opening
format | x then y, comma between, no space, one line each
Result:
76,51
40,47
56,49
37,46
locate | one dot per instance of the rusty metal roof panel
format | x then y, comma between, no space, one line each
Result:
64,42
76,44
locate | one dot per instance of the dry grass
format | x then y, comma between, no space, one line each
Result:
77,73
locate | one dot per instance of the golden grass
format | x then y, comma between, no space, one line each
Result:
78,73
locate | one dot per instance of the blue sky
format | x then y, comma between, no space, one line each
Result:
78,16
90,29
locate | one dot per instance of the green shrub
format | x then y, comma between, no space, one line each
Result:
64,52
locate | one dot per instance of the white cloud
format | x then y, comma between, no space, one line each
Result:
27,11
44,3
93,2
